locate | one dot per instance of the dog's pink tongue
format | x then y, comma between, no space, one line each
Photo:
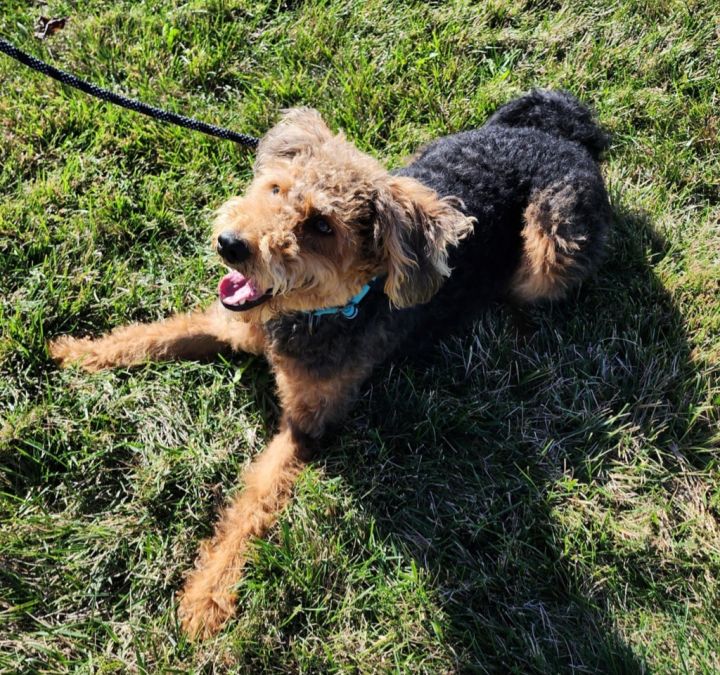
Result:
236,289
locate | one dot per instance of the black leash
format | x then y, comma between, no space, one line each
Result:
124,101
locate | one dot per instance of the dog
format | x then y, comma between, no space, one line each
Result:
336,264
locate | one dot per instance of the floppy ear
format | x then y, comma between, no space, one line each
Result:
300,129
413,230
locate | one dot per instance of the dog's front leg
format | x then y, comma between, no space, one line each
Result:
208,600
309,404
184,336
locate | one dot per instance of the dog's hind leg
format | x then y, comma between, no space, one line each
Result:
184,336
564,237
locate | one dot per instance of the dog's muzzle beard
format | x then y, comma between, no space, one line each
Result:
238,292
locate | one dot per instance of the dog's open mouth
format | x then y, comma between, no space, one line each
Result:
239,293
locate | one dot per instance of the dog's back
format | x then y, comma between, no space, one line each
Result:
531,178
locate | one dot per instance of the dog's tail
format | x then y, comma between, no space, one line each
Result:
557,113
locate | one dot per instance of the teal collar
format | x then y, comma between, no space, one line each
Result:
350,310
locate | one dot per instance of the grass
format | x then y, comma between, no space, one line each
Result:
544,497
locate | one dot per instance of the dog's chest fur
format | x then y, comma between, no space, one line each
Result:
324,344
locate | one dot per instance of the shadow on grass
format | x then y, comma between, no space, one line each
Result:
489,467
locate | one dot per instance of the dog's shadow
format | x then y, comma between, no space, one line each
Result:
489,467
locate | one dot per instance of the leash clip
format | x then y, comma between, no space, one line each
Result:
349,311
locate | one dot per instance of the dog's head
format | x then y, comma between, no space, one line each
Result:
321,219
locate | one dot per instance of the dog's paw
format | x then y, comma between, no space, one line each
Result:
202,616
67,351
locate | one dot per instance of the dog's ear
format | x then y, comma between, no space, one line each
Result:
414,228
300,129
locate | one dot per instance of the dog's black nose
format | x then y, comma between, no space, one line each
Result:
232,248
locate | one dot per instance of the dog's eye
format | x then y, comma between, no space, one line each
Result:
275,189
319,224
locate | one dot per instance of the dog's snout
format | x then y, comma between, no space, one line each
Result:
232,249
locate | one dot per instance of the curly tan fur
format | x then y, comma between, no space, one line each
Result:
303,169
417,229
552,244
